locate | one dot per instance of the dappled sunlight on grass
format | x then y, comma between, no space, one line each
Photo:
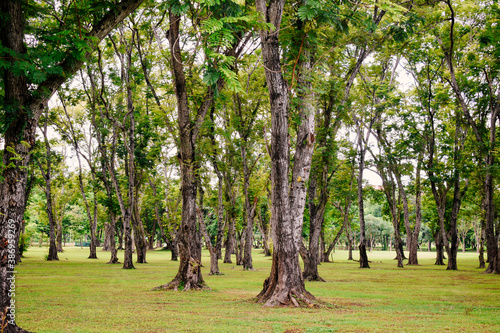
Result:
81,295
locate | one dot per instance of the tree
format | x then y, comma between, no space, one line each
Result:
285,284
27,90
190,119
486,70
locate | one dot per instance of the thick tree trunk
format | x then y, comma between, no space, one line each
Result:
285,285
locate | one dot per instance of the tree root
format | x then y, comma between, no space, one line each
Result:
289,299
314,278
180,285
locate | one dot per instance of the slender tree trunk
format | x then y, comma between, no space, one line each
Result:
112,241
47,175
350,238
141,242
328,252
412,256
363,257
119,231
230,243
264,231
247,234
214,263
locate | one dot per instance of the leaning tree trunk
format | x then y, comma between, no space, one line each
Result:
285,284
328,252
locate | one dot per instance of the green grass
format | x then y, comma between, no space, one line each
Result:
77,294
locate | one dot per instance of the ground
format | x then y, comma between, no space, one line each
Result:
81,295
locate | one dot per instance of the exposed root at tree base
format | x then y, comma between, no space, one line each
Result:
179,285
314,278
289,299
215,273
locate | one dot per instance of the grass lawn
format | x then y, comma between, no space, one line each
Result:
77,294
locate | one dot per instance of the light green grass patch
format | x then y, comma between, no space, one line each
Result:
78,294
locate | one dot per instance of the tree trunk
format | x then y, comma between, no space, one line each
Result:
412,256
189,273
482,263
285,285
230,243
59,238
363,257
47,175
214,263
489,231
141,243
328,252
439,247
111,239
263,227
